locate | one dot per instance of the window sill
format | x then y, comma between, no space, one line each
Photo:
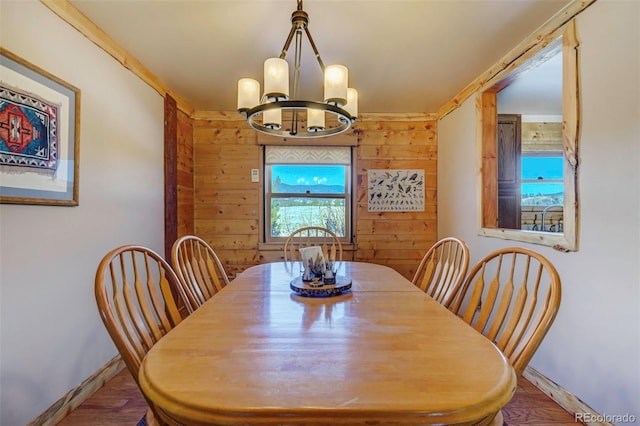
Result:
556,240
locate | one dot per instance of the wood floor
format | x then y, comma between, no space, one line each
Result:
120,403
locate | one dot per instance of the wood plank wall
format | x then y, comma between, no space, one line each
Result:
185,174
542,136
170,174
396,239
226,204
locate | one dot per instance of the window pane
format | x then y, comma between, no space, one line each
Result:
542,194
289,214
313,179
542,168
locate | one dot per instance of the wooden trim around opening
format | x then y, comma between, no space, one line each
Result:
76,396
565,399
486,113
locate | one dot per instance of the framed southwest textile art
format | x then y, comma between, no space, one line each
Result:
39,135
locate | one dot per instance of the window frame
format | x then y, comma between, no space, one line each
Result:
268,195
486,113
548,154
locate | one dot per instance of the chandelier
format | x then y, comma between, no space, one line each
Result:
302,118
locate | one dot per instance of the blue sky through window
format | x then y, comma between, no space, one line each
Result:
545,167
542,169
308,177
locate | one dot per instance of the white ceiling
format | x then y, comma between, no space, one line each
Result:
403,55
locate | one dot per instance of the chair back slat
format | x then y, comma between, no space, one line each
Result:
487,305
475,302
502,309
131,310
517,308
429,273
520,347
447,259
167,290
442,270
189,276
136,307
202,283
199,269
524,309
526,325
514,319
130,325
505,299
440,284
212,279
152,302
309,236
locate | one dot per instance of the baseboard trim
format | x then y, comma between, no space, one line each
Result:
76,396
565,399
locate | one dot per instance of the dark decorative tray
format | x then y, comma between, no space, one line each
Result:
309,289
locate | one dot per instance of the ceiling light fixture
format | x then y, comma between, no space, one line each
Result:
265,114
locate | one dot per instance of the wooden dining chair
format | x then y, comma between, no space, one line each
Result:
312,236
134,289
199,269
443,269
511,296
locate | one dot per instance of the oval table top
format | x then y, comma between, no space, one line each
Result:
383,352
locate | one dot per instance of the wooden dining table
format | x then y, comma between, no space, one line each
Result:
382,352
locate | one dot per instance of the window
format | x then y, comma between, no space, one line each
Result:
307,186
542,189
542,182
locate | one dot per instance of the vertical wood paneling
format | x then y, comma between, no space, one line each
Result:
487,111
185,176
226,204
170,174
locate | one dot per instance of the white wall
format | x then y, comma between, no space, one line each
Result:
592,349
51,335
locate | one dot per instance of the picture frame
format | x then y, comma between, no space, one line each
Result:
39,135
395,190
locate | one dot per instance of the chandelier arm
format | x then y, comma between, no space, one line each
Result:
315,49
296,78
287,43
297,60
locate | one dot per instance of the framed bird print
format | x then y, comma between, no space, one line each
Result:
395,190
